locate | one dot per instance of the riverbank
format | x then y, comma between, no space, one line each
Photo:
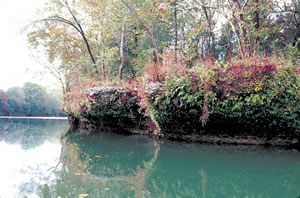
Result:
281,141
240,102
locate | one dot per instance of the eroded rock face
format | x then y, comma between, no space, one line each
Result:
106,93
116,110
153,89
106,90
112,109
74,122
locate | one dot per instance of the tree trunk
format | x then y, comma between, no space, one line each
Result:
176,30
256,19
209,29
103,68
80,30
103,64
148,29
154,43
238,39
244,42
135,43
122,65
245,47
297,36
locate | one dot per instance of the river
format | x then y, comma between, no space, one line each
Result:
40,159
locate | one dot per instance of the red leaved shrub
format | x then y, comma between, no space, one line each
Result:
171,65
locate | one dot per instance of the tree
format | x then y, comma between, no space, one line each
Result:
58,35
16,103
122,53
288,18
3,103
116,38
148,27
75,23
30,100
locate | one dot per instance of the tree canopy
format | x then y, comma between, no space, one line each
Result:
107,40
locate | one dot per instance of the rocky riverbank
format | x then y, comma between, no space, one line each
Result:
111,109
83,125
115,110
238,103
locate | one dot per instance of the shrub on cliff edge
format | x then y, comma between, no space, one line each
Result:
257,95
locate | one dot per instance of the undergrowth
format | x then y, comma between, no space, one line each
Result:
256,95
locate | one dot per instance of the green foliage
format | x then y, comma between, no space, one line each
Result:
254,96
267,102
293,53
249,27
254,93
121,108
182,101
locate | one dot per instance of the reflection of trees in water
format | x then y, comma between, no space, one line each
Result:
89,169
102,167
203,182
91,165
30,133
128,166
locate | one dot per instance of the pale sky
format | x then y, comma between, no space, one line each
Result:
16,63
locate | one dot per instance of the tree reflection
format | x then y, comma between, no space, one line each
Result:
107,166
38,160
31,133
128,166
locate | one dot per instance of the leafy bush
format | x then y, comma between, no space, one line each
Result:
76,98
260,96
293,53
257,95
181,102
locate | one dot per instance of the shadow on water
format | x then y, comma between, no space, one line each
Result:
51,163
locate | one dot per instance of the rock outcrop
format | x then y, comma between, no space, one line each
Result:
117,110
112,109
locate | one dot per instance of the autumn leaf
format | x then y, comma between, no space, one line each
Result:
83,195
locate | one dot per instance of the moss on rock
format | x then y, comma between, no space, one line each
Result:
111,109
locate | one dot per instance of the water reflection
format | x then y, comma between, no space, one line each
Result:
40,160
104,165
28,148
30,133
130,166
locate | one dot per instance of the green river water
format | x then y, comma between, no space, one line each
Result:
39,159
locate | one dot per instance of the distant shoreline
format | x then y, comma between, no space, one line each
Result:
39,118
